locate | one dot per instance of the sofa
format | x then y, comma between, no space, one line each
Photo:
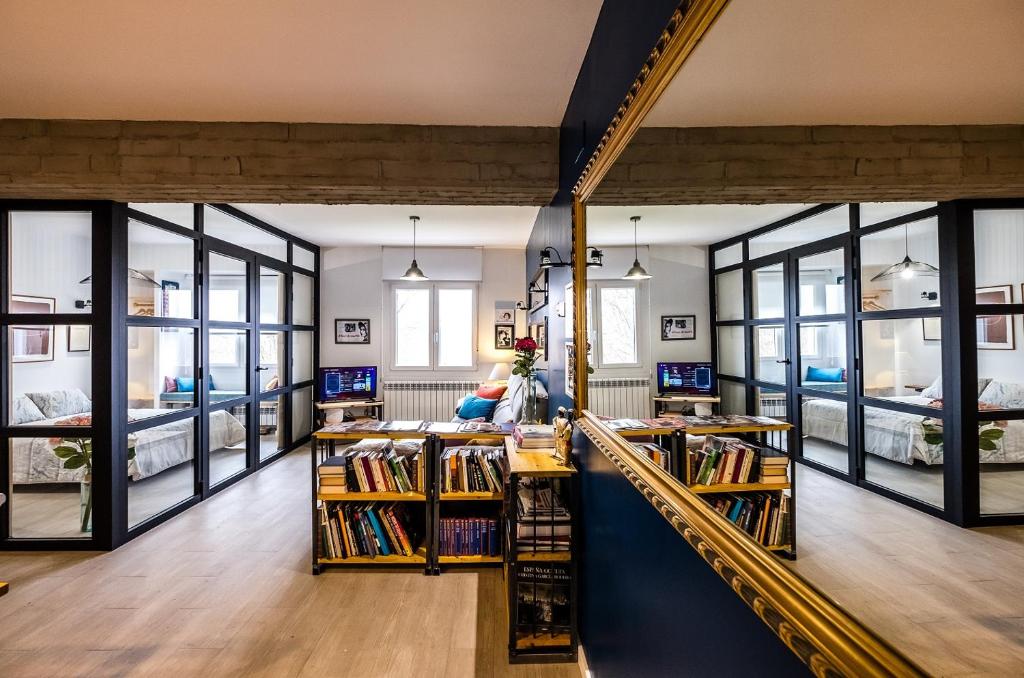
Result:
509,409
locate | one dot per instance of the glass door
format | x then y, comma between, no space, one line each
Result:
273,371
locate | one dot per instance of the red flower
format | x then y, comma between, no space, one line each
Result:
526,345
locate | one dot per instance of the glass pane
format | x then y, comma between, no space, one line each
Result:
50,262
51,374
162,472
770,353
731,351
303,258
824,433
228,444
455,336
811,229
161,272
769,292
182,214
618,326
412,327
302,413
998,247
823,356
1001,466
733,396
733,254
822,283
875,212
1000,368
729,295
243,234
889,285
228,364
900,453
902,360
271,296
770,402
271,360
271,432
229,293
302,298
49,499
302,356
161,370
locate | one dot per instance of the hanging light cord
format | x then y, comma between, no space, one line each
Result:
636,248
414,220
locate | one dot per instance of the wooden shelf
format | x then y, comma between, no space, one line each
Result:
472,496
527,641
455,560
370,496
779,547
359,435
739,487
418,558
533,463
545,556
3,587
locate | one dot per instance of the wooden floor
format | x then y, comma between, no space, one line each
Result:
225,590
951,599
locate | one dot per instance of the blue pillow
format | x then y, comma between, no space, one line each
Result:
474,407
210,384
832,374
185,384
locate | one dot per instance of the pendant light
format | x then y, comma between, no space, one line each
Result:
908,268
636,272
414,273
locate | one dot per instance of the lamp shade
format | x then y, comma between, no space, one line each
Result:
500,372
414,273
636,272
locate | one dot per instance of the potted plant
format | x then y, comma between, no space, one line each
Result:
76,453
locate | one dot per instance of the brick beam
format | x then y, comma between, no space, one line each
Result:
277,162
816,164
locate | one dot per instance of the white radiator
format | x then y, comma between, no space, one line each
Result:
772,405
424,400
620,398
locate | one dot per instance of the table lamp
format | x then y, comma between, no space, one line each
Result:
500,372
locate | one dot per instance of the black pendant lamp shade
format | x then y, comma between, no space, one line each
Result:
636,271
414,273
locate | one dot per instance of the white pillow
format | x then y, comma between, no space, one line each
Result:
935,390
63,403
25,411
1004,395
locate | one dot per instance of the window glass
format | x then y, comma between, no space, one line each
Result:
824,433
769,292
302,295
770,353
902,360
771,402
729,295
302,356
271,431
303,258
50,369
731,351
822,283
228,443
50,262
241,233
271,296
887,280
455,336
824,225
161,272
1000,363
412,327
181,214
734,397
49,498
271,360
999,249
618,326
227,364
727,256
302,413
228,289
161,370
823,356
155,487
904,453
875,212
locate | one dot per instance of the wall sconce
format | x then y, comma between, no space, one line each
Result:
595,257
929,296
546,261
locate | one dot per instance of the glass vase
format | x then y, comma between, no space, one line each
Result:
531,414
85,513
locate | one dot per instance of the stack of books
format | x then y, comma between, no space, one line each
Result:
469,537
543,521
348,530
774,467
765,516
542,597
375,465
728,461
659,455
534,436
472,469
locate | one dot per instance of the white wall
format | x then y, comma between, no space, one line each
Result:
999,260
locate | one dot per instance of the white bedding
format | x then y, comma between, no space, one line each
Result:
156,449
897,435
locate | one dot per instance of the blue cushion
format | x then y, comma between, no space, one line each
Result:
185,384
833,374
474,407
209,383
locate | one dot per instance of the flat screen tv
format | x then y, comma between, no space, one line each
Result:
686,379
347,383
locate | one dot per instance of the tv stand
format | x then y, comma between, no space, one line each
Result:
662,402
371,408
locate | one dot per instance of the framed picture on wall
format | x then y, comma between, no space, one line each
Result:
504,337
678,327
31,343
931,329
79,339
995,332
351,331
570,369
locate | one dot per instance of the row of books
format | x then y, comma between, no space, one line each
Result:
733,461
656,453
469,537
683,422
543,523
348,530
472,469
415,426
765,516
534,436
375,465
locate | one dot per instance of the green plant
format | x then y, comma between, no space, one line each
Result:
988,434
76,453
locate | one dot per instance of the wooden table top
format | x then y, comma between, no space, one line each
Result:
3,587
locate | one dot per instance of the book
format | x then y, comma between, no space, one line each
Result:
765,516
655,453
402,426
731,461
480,427
443,427
469,537
626,425
534,436
369,530
472,469
376,465
543,597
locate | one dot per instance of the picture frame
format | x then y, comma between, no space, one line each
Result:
504,337
570,369
142,307
31,343
504,312
931,329
351,330
79,338
678,327
995,332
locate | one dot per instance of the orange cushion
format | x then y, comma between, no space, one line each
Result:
492,391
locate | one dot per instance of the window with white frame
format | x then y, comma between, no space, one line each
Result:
613,318
433,326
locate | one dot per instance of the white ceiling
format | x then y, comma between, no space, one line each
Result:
856,62
465,62
440,225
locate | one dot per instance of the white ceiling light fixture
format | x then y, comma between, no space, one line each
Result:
414,273
908,268
636,272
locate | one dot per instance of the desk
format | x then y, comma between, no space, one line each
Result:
661,402
373,407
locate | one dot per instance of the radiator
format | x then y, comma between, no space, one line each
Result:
424,400
620,398
772,405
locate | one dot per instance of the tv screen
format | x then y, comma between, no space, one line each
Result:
348,383
686,378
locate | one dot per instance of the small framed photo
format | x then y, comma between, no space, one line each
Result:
352,331
678,327
995,332
504,337
34,343
79,339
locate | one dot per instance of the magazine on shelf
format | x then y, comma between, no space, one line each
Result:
443,427
403,426
480,427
